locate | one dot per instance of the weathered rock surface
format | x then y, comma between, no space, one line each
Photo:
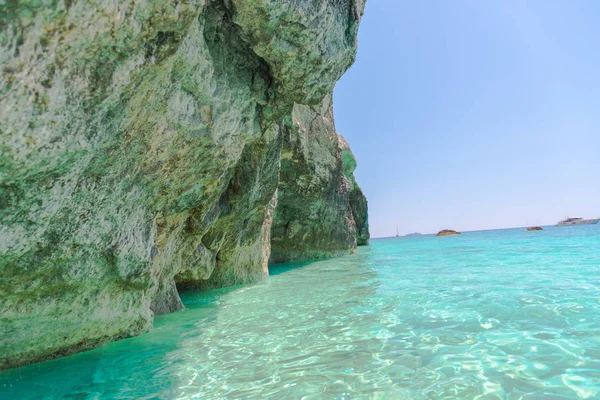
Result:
358,201
447,232
140,146
321,212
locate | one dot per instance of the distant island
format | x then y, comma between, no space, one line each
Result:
534,228
447,232
414,234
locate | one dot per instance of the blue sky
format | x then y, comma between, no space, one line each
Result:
475,114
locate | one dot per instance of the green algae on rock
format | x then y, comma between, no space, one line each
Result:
358,201
140,146
317,215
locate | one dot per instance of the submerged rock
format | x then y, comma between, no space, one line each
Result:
140,146
534,228
447,232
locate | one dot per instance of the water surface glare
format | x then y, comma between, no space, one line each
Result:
504,314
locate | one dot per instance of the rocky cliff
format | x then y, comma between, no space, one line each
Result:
143,145
321,211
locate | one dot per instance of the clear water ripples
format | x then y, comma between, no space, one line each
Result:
501,314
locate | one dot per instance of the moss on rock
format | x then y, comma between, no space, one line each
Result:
140,145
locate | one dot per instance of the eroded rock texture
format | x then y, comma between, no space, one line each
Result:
321,211
140,146
357,199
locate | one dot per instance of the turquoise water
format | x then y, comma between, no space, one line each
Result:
501,314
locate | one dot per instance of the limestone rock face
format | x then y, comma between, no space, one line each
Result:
358,201
320,206
140,147
308,44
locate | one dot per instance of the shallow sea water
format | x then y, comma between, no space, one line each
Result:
503,314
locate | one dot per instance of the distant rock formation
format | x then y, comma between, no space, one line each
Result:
447,232
414,234
534,228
